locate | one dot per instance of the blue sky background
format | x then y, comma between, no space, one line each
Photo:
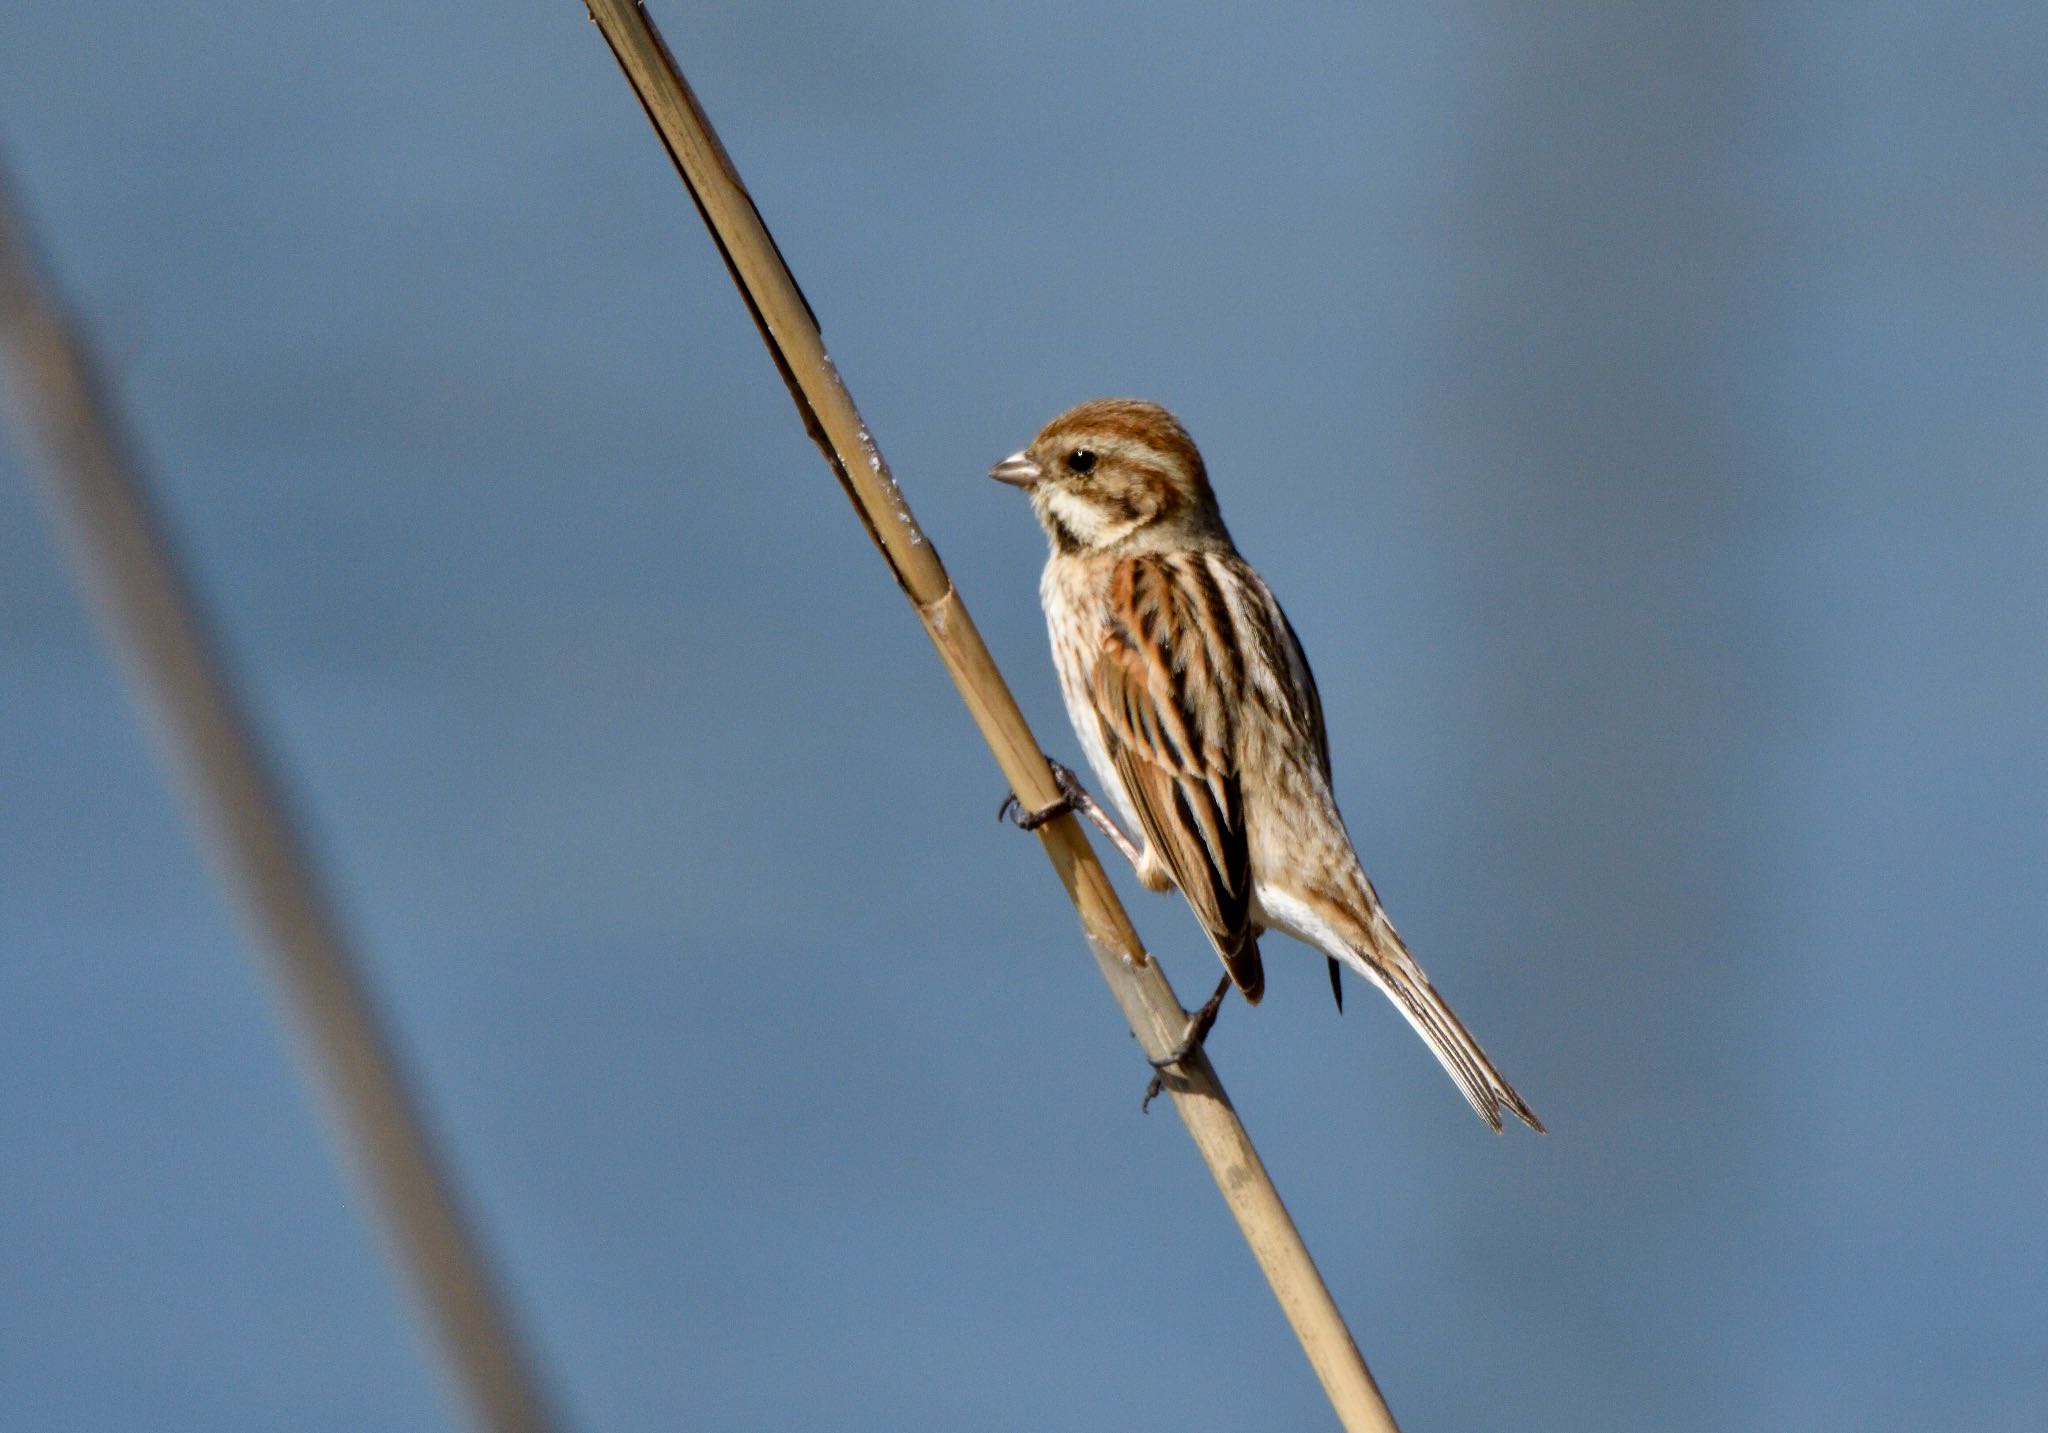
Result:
1642,417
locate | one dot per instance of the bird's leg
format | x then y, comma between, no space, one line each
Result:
1078,798
1073,797
1191,1040
1199,1025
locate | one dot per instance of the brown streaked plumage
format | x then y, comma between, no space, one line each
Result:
1191,696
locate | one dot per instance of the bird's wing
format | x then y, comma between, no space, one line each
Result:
1303,687
1278,678
1163,686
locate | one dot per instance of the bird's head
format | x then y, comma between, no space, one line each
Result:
1117,474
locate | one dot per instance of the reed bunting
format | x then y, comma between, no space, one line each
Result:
1197,711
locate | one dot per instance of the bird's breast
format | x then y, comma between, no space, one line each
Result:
1075,595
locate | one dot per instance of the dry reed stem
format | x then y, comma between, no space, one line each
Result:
147,611
791,332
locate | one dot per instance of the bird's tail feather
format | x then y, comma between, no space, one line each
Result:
1483,1086
1382,958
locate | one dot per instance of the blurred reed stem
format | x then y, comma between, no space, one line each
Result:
101,505
791,332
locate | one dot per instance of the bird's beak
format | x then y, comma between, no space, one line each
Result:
1017,470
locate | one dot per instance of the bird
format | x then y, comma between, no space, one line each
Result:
1197,712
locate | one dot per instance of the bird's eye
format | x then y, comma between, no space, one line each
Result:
1081,460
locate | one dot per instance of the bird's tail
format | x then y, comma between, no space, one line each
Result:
1379,954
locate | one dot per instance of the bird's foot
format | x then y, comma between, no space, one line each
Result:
1012,810
1191,1039
1073,797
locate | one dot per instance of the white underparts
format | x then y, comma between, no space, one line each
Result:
1289,914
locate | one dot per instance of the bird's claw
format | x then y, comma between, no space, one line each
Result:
1071,796
1012,810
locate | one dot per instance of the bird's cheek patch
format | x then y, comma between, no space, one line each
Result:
1072,516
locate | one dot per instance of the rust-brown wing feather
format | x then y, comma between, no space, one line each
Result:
1161,692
